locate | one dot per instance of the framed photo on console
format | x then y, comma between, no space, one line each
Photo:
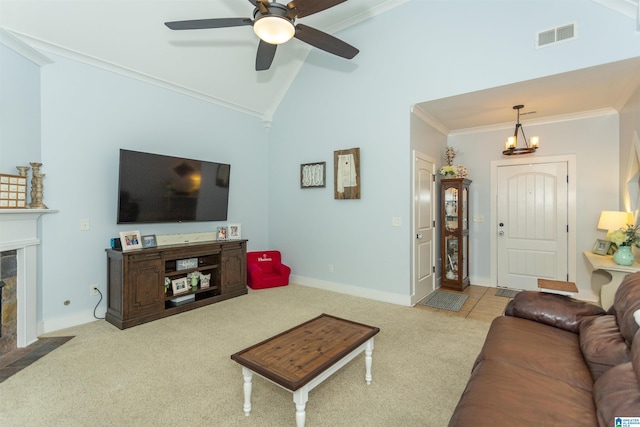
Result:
222,233
234,232
130,240
179,286
149,241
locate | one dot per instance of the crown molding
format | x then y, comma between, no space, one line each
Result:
22,48
430,120
539,121
35,43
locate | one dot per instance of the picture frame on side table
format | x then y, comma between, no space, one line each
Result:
179,286
234,231
130,240
312,175
149,241
222,233
601,247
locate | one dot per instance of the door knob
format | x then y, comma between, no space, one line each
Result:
418,236
501,224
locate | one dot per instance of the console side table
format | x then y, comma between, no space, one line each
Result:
617,272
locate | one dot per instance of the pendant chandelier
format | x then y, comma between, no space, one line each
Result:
511,146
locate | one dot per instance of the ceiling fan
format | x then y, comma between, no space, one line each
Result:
273,23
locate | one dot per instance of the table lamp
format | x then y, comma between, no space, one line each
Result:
613,220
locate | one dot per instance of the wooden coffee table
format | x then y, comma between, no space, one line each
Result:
303,357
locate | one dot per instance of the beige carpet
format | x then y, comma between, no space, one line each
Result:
177,371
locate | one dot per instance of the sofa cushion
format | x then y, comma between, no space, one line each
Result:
551,309
503,394
617,394
551,352
602,345
626,302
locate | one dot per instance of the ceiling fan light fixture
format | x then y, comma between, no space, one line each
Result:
511,146
274,29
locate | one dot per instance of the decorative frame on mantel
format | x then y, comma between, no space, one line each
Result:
346,174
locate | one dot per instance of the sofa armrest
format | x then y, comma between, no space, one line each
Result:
283,270
254,271
551,309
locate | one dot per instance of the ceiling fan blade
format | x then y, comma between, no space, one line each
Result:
201,24
264,58
324,41
309,7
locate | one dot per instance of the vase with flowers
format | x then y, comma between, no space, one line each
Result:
625,239
451,170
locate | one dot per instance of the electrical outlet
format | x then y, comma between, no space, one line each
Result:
330,268
85,225
93,290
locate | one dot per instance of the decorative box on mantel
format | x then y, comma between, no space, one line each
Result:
19,231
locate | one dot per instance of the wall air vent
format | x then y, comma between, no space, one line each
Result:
556,35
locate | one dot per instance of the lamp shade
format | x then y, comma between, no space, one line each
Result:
613,220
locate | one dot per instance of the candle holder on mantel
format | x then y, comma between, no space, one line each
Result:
22,170
36,187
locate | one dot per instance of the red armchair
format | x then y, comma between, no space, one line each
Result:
266,270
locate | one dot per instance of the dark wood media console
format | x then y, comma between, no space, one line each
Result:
136,290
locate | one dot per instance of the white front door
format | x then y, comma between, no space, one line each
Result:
532,221
423,282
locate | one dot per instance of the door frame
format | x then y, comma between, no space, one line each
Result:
434,197
570,159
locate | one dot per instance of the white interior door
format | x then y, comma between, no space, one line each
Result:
532,222
423,228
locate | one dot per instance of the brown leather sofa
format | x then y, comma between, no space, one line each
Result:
556,361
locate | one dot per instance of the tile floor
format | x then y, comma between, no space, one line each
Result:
482,304
21,358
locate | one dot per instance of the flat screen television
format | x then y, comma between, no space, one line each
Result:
154,188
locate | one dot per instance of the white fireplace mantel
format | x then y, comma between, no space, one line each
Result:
19,231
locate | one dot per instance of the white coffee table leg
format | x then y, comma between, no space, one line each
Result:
300,398
368,360
247,374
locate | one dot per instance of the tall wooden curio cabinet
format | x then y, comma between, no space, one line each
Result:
454,224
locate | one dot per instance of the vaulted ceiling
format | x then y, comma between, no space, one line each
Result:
218,65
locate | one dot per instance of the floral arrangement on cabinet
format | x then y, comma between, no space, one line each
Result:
451,170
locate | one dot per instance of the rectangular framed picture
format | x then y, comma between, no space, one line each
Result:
234,232
149,241
179,286
222,233
130,240
346,174
601,247
312,175
205,280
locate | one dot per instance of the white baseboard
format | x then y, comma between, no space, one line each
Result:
352,290
53,325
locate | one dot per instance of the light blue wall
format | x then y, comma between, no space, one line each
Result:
88,114
19,111
416,52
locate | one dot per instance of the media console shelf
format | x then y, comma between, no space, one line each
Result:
136,290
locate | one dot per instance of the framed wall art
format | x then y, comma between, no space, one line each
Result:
312,175
130,240
346,173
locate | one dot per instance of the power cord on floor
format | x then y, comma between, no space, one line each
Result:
96,307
